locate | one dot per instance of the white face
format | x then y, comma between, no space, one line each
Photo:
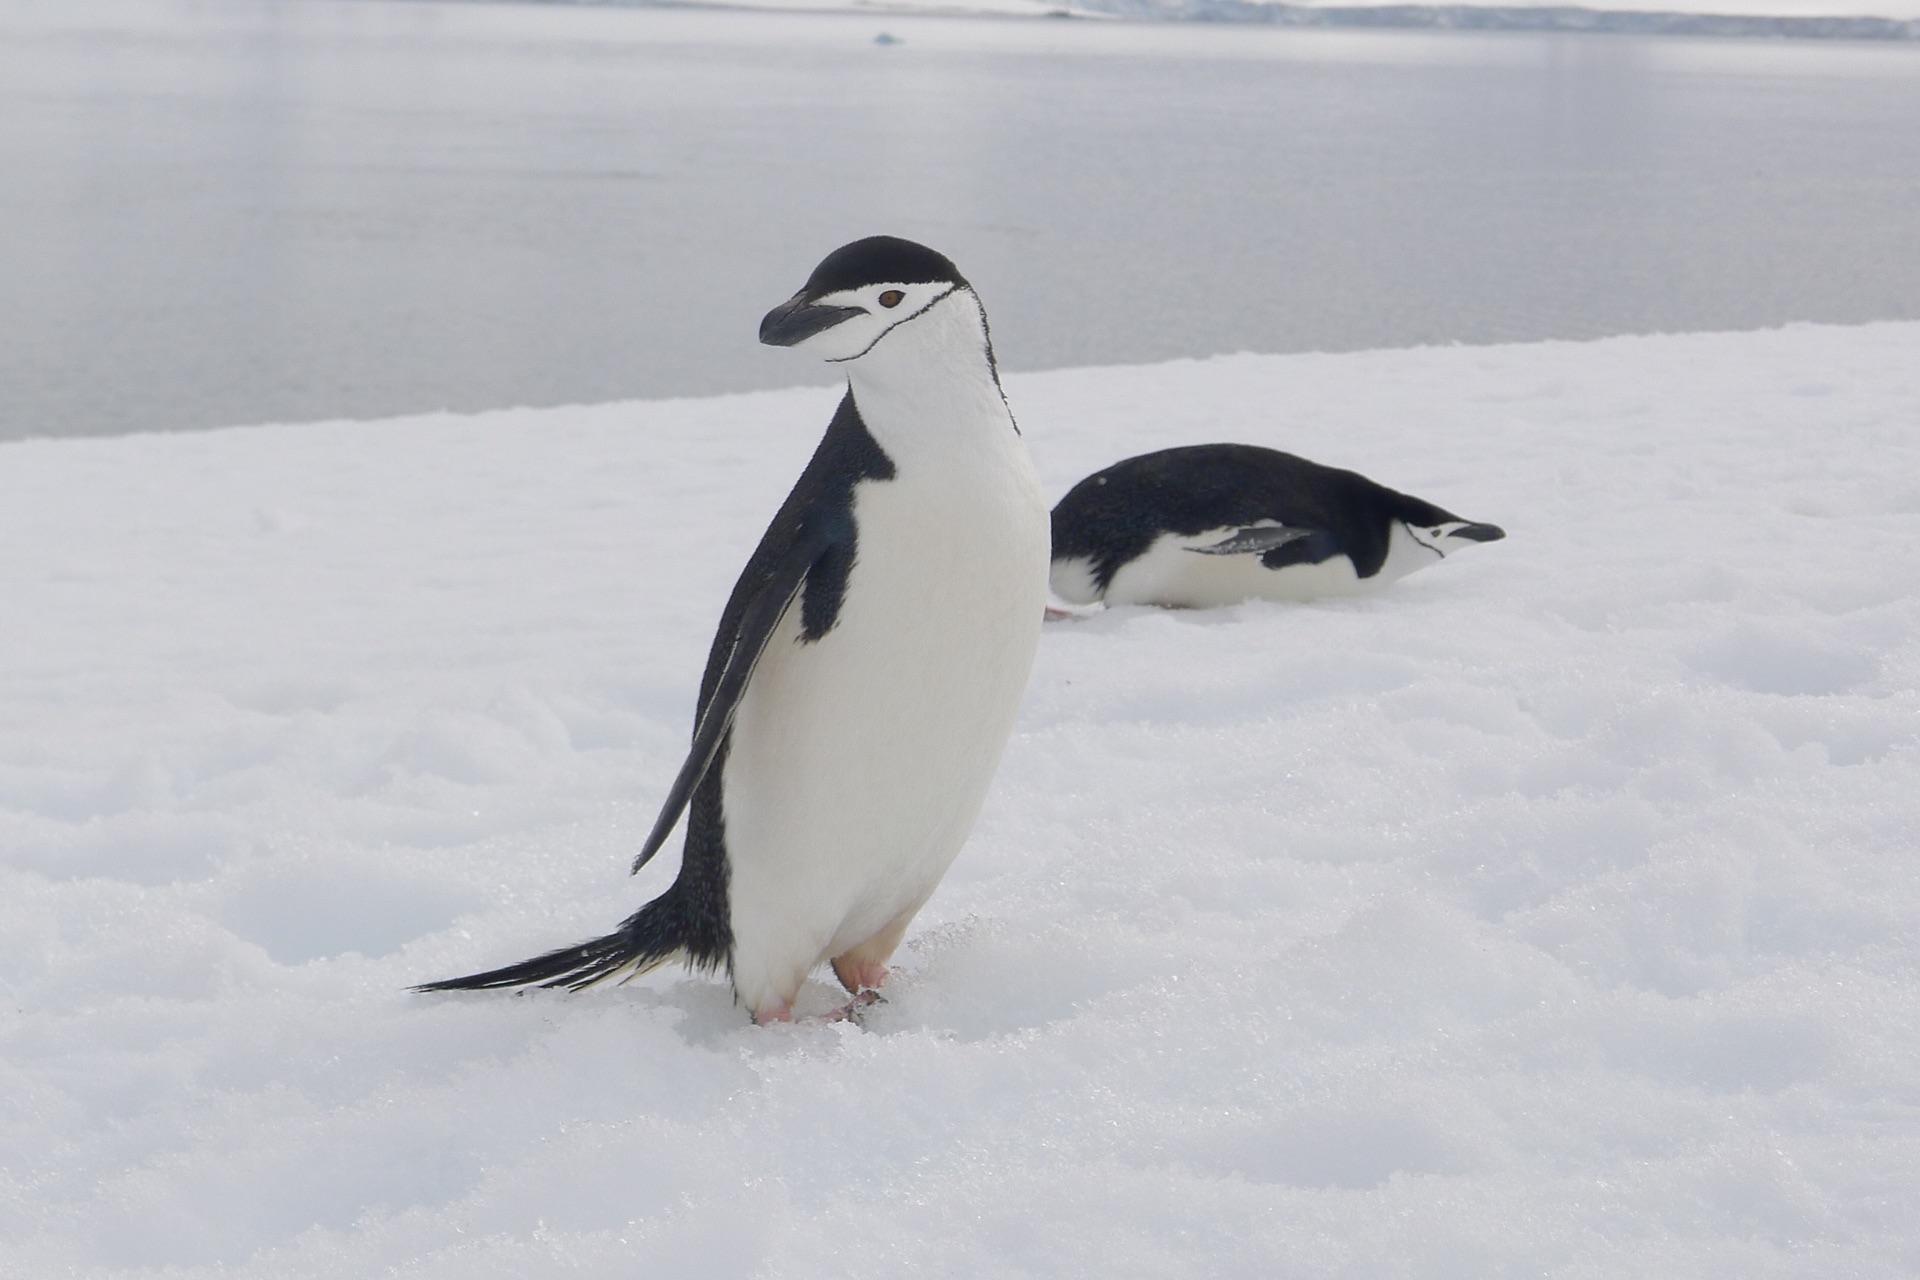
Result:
874,311
1433,539
1441,539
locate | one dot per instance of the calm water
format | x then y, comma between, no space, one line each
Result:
219,212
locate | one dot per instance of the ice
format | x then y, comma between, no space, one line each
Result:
1548,913
221,212
1804,19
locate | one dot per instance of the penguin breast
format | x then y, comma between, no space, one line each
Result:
859,761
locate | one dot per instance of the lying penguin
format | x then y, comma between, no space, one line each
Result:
855,705
1216,524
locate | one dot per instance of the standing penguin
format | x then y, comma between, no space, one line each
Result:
869,663
1213,524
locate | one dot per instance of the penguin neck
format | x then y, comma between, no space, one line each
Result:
929,387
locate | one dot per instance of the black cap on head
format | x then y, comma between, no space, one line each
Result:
880,260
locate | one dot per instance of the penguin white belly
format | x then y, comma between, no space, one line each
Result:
858,762
1168,573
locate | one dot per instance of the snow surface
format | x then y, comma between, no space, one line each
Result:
1550,913
1552,15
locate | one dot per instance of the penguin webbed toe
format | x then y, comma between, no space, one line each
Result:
855,1010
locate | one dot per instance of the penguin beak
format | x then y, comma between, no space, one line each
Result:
1478,532
796,320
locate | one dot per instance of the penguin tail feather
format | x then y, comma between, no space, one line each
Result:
638,946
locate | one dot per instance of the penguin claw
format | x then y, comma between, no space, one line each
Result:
852,1011
855,1010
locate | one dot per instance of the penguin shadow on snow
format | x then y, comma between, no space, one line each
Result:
1201,526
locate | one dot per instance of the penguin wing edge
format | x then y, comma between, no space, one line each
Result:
1253,540
757,622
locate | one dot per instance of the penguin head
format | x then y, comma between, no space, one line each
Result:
859,294
1446,538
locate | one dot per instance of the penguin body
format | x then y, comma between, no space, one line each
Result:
868,666
1206,525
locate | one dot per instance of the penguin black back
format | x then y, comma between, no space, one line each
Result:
1114,515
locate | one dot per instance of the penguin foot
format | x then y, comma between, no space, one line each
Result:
772,1014
859,976
855,1010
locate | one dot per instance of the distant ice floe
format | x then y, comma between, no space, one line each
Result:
1884,19
1774,19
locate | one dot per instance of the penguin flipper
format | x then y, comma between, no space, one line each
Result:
1254,540
757,622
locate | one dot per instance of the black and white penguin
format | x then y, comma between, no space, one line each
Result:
1216,524
869,663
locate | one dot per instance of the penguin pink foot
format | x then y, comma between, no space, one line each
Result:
772,1014
860,976
855,1010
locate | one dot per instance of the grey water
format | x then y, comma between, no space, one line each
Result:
218,212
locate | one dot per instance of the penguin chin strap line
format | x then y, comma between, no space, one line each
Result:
1415,535
895,325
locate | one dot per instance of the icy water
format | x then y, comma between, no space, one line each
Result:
274,210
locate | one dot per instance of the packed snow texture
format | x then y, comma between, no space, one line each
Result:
1818,19
1548,913
1790,19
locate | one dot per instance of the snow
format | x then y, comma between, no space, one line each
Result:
1773,18
1548,913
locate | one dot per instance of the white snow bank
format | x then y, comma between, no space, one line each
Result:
1848,19
1551,913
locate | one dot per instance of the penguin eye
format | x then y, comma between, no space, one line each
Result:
892,298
